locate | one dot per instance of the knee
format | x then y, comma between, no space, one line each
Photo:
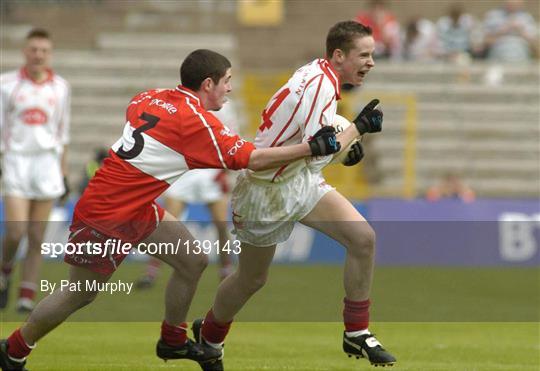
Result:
194,267
363,243
254,284
35,234
14,232
83,298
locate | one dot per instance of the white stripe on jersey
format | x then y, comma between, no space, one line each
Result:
210,132
153,157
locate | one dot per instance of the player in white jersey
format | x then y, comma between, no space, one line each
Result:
202,186
266,204
34,121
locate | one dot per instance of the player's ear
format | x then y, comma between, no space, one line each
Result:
207,84
338,55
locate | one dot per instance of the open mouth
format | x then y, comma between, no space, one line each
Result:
362,74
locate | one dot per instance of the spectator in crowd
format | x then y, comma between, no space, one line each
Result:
451,186
386,31
420,41
34,121
510,33
458,35
92,166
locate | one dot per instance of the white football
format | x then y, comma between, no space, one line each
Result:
340,124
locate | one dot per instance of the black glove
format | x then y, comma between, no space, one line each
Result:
370,119
324,142
67,190
355,154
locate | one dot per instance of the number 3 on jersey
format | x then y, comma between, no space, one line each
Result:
151,121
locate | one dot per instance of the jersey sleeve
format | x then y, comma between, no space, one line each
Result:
210,144
319,107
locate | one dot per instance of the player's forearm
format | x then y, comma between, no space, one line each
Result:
268,158
348,135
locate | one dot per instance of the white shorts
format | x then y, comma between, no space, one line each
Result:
32,176
199,186
264,213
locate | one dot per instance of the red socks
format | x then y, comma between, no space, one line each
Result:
174,335
213,331
17,347
27,290
356,315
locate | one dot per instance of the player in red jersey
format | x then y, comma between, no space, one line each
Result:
167,133
266,204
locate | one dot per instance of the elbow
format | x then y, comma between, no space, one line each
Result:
256,164
258,161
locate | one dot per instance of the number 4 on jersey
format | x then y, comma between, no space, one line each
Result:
267,113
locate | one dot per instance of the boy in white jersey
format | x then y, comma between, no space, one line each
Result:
34,120
266,204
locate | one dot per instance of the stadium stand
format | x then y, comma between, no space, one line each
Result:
488,133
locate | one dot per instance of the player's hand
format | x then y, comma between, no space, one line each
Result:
324,142
67,190
370,119
355,154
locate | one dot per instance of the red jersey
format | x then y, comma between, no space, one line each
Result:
167,133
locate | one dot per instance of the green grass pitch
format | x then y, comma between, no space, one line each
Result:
430,318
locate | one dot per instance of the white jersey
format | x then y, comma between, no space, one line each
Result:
306,103
34,117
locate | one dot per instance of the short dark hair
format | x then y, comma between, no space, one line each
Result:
342,35
38,33
200,65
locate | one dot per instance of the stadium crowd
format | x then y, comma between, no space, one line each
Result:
506,34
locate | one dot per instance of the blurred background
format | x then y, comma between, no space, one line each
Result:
459,86
456,99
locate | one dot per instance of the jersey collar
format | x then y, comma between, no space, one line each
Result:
190,93
331,73
25,75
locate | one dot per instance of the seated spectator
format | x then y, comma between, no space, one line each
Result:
385,29
451,186
420,41
458,35
510,33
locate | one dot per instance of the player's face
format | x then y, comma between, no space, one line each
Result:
356,64
217,95
37,53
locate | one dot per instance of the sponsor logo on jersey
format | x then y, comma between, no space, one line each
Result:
239,144
34,116
142,98
166,106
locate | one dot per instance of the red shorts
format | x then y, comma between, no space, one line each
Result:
105,261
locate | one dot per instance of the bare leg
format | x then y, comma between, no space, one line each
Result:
250,276
218,209
31,265
16,215
187,269
336,217
57,307
174,207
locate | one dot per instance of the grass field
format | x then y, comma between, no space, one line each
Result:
430,318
